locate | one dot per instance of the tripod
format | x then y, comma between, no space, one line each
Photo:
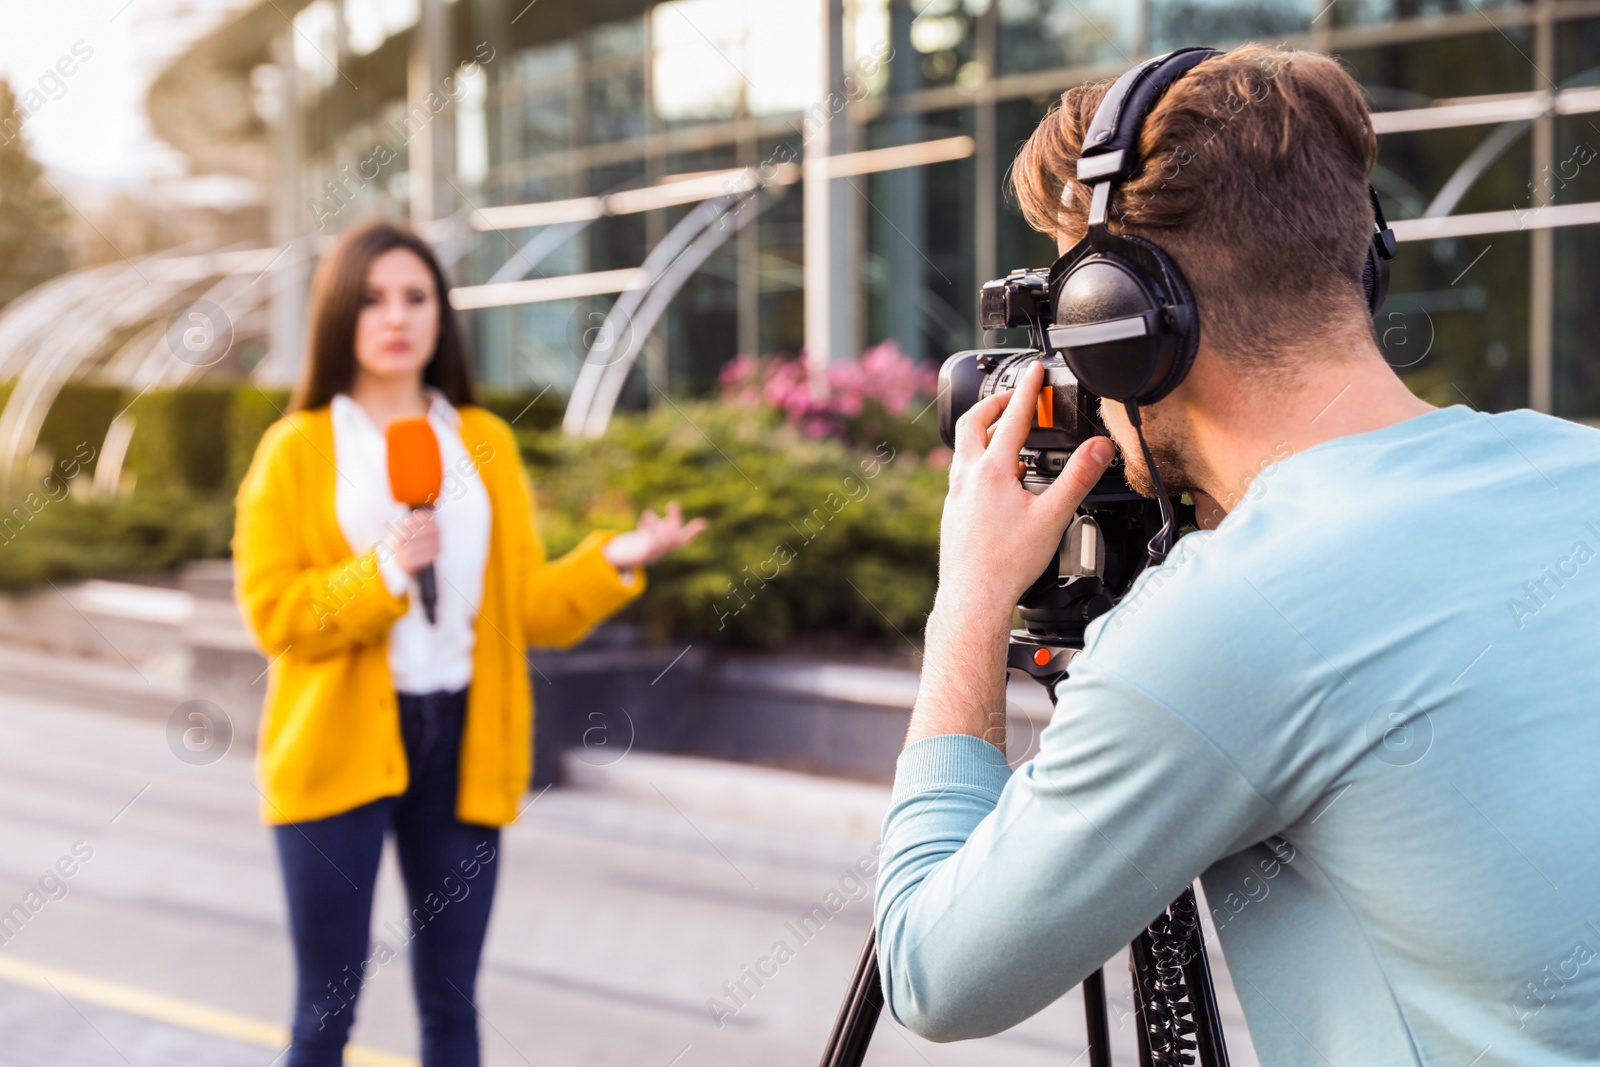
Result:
1174,1001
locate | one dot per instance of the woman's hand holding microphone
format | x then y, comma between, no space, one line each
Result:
414,541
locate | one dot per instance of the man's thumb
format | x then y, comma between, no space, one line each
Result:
1084,468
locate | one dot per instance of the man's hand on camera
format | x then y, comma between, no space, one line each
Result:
994,540
996,537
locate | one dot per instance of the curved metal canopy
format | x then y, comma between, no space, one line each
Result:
121,324
670,264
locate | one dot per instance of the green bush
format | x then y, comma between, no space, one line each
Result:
254,409
180,439
62,539
80,417
825,541
806,537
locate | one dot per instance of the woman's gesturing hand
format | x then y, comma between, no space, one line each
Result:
655,537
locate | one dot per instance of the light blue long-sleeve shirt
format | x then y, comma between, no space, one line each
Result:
1365,710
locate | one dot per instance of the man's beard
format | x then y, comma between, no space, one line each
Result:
1172,449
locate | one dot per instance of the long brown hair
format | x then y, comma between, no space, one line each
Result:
330,364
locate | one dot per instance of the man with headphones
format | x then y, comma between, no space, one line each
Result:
1360,705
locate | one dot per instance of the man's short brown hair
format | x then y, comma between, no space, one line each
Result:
1252,174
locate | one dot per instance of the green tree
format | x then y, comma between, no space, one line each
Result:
32,215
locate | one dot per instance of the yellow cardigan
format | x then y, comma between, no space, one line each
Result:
330,729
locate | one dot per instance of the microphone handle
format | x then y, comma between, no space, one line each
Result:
430,592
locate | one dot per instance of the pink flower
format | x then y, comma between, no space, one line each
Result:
883,375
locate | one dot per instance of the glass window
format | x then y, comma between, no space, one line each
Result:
935,43
1041,34
617,241
922,292
1577,323
701,325
543,349
544,63
1454,171
1455,325
497,119
867,23
780,266
624,38
714,56
1574,177
1417,73
368,23
783,56
1578,53
529,190
616,106
1176,23
1365,12
698,75
546,121
472,126
1016,243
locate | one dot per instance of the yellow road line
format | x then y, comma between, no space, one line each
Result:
174,1011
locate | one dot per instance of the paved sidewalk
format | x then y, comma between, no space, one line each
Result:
618,921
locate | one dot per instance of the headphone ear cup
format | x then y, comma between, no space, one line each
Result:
1127,277
1375,279
1102,288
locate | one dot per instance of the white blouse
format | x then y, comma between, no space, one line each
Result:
423,657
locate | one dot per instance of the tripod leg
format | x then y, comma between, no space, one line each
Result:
1141,965
1208,1024
1095,1022
858,1015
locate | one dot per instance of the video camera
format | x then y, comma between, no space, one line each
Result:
1105,547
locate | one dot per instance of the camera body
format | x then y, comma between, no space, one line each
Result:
1066,416
1106,545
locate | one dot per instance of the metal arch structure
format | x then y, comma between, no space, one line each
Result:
148,360
1488,150
537,249
110,321
103,304
670,264
547,239
1471,169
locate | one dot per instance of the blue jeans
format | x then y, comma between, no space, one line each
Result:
330,867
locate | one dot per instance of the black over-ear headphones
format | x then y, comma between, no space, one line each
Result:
1125,319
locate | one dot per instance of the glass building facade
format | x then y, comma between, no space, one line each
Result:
1488,111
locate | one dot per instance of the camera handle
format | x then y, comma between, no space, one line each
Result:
1175,1003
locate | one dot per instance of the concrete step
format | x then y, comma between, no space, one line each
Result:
105,685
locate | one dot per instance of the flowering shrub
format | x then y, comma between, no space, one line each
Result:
823,542
852,401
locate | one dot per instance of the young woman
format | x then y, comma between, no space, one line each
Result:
376,719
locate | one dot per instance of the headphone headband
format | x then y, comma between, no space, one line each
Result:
1112,139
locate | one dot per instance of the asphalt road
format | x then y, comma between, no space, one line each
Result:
617,922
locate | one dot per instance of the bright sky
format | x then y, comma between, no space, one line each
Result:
92,122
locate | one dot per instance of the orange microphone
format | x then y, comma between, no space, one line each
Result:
416,472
